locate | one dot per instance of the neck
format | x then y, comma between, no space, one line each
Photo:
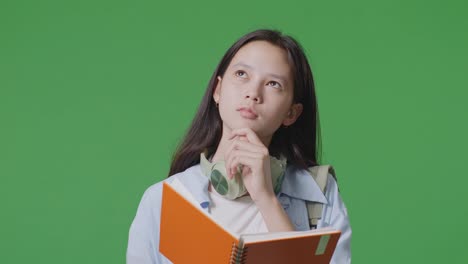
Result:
225,142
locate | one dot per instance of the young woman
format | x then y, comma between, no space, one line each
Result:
259,110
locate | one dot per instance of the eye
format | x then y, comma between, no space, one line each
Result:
275,84
240,73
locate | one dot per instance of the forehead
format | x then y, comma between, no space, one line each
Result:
263,57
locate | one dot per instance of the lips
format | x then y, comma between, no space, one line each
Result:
247,112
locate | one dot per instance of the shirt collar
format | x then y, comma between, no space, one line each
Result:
298,183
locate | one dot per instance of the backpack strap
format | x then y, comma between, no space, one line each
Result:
320,175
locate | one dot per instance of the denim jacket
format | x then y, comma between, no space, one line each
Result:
297,187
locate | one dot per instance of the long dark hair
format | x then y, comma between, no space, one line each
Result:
300,142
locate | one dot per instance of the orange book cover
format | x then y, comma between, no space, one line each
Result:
189,235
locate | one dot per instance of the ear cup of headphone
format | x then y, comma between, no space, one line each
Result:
230,188
234,188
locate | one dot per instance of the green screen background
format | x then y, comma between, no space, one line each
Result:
95,95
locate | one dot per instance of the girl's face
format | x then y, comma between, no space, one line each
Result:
256,90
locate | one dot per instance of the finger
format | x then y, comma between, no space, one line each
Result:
231,168
245,145
246,170
249,162
257,151
238,144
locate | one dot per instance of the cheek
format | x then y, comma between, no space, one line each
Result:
227,103
277,114
275,121
230,94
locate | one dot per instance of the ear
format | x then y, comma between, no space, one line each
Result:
293,114
217,90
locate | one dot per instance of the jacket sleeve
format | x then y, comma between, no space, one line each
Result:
335,215
143,239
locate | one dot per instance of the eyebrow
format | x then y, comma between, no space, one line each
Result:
271,74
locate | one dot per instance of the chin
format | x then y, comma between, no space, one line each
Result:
254,127
238,125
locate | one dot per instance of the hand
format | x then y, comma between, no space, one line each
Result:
247,149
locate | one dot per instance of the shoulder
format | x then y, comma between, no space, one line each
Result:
299,183
143,238
334,213
304,182
154,192
331,189
332,193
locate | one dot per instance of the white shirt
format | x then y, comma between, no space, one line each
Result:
239,216
298,187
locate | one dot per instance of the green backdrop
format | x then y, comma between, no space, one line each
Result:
95,95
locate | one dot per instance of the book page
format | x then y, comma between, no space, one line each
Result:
180,188
247,238
187,232
299,247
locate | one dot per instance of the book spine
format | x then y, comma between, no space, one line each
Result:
238,254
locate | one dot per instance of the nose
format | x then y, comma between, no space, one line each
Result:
253,92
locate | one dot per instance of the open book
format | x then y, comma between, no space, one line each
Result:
190,235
